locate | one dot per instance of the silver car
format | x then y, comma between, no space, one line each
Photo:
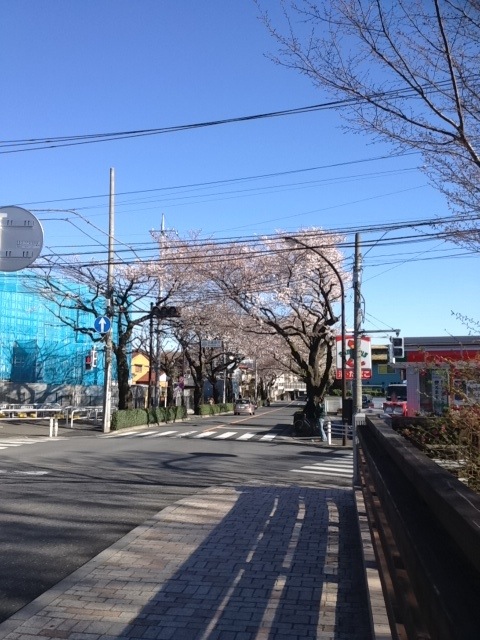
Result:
244,407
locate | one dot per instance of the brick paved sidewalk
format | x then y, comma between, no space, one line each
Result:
229,563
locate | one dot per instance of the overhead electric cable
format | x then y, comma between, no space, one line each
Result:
36,144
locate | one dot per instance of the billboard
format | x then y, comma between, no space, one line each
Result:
365,354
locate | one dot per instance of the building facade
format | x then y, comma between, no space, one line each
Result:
440,372
35,345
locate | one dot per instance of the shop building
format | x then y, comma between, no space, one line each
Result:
440,372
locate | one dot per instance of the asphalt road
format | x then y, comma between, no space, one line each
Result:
67,499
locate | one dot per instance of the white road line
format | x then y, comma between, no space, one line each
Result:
342,468
223,436
160,434
117,434
144,435
268,437
246,436
24,473
205,434
7,444
187,433
329,466
325,472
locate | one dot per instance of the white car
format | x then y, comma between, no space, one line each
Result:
244,407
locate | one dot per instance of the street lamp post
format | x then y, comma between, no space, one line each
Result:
344,346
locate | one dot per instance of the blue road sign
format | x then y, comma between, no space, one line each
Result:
102,324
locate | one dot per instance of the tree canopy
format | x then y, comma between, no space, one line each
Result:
405,72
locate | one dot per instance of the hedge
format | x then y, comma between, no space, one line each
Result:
214,409
126,418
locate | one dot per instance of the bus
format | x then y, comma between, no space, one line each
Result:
396,400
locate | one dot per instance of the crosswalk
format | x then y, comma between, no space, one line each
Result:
339,466
8,443
198,434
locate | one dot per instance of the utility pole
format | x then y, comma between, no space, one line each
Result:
158,341
357,328
107,388
357,346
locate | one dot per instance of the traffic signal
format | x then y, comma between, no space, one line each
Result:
165,312
91,360
397,349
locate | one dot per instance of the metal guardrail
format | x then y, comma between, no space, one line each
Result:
30,410
84,412
36,411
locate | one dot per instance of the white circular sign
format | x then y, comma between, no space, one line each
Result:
21,238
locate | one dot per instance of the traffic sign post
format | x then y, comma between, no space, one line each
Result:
102,324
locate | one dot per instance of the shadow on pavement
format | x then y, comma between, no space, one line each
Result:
279,563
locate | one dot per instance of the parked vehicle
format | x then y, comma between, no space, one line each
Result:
396,393
244,407
367,401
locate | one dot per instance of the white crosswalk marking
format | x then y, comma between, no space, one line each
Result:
159,434
122,434
18,442
196,433
143,435
339,467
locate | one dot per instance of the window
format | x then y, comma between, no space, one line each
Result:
385,369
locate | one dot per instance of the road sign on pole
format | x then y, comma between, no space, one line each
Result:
21,238
212,344
102,324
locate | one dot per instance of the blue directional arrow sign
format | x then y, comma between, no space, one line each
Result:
102,324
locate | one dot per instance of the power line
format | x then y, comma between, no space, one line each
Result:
226,181
36,144
218,254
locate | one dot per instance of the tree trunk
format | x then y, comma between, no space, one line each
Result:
125,398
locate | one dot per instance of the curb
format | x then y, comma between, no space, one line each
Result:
378,611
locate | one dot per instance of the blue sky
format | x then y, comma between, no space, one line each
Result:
96,66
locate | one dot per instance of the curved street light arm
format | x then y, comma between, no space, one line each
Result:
344,346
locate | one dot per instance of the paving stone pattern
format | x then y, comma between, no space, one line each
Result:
229,563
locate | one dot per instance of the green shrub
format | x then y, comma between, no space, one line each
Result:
214,409
453,437
127,418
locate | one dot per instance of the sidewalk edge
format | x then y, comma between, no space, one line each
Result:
378,611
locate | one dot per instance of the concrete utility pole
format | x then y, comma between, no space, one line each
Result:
158,341
357,328
107,388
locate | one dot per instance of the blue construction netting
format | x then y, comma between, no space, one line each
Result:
35,345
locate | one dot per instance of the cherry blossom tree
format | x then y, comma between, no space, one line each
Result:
212,340
78,286
405,72
287,290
